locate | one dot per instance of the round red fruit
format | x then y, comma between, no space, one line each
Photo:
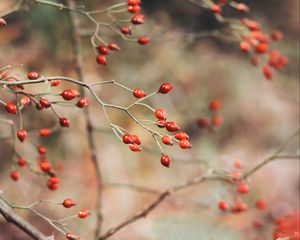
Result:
165,88
138,93
33,75
21,134
68,94
165,160
64,122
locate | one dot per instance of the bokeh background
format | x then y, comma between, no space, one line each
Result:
258,116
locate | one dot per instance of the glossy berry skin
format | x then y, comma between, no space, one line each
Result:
260,204
136,139
45,166
161,123
185,144
138,93
83,102
138,19
261,48
68,94
25,101
52,183
214,105
83,213
113,46
143,40
243,188
45,103
127,139
126,30
55,83
165,88
71,236
172,127
160,114
11,108
216,121
21,134
223,206
133,2
101,60
104,50
134,147
244,47
165,160
15,175
133,8
167,140
44,132
68,203
33,75
64,122
181,136
22,162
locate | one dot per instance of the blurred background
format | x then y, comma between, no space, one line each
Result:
258,117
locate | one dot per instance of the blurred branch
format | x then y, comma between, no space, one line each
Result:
210,175
77,52
7,212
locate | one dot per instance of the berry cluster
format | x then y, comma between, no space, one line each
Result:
252,40
216,120
104,49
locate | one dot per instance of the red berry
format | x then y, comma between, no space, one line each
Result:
71,236
239,207
237,164
68,94
133,2
133,8
44,102
45,166
242,7
165,88
113,46
138,19
172,126
181,136
55,83
135,147
83,102
143,40
136,139
2,22
165,160
267,72
126,30
101,60
21,134
138,93
244,46
160,114
215,8
260,204
25,101
243,188
202,122
41,150
127,139
167,140
44,132
83,213
68,203
52,183
15,175
64,122
21,162
215,105
33,75
184,144
11,108
223,206
161,123
261,48
276,35
216,120
104,50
